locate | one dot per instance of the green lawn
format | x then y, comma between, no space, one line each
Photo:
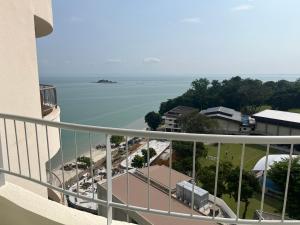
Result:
271,205
294,110
232,153
264,107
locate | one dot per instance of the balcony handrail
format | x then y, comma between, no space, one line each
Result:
46,87
211,138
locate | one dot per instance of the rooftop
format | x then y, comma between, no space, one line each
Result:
180,111
160,174
223,112
278,115
158,200
260,165
197,190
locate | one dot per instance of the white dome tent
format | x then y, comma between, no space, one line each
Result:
260,165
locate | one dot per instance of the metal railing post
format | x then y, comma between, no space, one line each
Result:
2,177
109,180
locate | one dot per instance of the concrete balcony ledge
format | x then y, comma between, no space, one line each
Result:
43,17
19,206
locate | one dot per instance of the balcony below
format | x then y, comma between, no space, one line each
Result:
48,99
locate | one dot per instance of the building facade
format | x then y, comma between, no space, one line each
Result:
171,118
279,123
21,93
229,121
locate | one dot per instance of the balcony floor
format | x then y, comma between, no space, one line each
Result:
19,206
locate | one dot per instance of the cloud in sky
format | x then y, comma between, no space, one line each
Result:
113,61
191,20
75,19
151,60
245,7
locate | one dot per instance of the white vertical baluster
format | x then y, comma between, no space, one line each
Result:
193,177
240,183
49,156
287,183
216,179
264,182
62,163
2,177
92,165
170,176
6,142
38,151
17,145
76,156
148,177
27,150
109,180
127,174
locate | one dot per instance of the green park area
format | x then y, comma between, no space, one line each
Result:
295,110
232,153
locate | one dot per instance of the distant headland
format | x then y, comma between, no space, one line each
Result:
102,81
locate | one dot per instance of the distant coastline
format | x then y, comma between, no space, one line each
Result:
102,81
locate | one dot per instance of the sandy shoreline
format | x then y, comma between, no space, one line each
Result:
97,155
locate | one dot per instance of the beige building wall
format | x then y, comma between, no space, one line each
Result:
260,128
20,23
270,129
227,126
295,132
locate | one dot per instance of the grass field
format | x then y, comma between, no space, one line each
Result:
271,205
232,153
294,110
263,107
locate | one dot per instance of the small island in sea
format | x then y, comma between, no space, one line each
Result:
102,81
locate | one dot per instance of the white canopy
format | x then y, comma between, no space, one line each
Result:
260,165
279,115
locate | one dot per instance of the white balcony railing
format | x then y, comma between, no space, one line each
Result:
147,135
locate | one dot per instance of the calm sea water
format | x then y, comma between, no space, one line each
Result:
123,104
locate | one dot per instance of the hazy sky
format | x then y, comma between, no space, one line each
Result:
172,37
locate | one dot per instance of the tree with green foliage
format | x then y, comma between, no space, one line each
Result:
250,185
85,160
197,123
245,95
185,149
207,177
117,140
153,120
152,153
185,165
184,155
252,94
278,173
138,161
